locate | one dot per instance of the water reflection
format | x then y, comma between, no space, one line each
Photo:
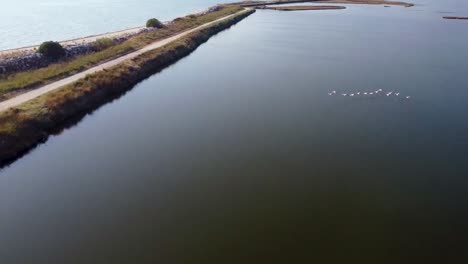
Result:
237,153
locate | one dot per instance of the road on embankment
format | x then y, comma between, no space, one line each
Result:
25,97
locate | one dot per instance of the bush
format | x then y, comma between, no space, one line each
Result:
154,23
52,50
102,44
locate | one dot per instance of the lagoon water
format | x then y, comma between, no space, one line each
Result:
238,151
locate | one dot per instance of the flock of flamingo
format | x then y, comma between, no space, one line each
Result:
367,94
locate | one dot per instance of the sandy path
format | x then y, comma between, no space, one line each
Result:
25,97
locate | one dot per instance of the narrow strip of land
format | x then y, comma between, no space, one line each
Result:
456,17
302,8
25,97
364,2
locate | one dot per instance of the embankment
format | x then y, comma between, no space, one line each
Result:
23,127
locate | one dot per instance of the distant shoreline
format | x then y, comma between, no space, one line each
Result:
455,18
360,2
303,8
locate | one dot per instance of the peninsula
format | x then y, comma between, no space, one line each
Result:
302,8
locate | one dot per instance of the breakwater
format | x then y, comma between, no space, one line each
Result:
29,59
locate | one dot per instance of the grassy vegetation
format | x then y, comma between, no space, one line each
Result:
103,43
23,127
11,84
154,23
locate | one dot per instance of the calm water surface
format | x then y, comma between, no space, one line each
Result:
238,152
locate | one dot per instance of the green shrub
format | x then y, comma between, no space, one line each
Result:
52,50
154,23
102,44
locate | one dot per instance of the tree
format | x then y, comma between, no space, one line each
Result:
52,50
154,23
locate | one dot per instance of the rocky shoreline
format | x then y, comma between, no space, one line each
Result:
29,59
24,59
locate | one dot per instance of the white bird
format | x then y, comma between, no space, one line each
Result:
397,94
344,94
351,95
358,93
380,90
365,93
408,97
371,93
330,93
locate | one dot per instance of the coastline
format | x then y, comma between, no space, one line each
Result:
24,127
70,42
